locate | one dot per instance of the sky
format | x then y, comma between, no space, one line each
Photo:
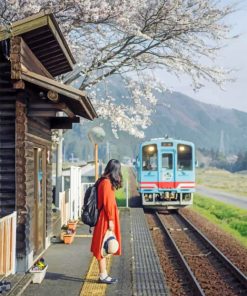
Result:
233,56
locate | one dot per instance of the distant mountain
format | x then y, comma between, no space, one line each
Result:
208,126
176,115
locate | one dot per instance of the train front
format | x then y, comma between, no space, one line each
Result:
166,173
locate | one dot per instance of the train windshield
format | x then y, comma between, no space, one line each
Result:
149,158
184,157
167,161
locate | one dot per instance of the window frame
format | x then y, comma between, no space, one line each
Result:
185,159
145,158
172,164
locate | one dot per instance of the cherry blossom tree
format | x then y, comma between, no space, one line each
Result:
132,38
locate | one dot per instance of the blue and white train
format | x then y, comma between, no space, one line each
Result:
166,173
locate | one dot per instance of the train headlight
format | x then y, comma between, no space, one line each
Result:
151,148
150,197
181,148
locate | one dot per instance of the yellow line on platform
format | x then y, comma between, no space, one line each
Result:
91,286
83,235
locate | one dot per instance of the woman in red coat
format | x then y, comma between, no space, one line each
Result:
108,217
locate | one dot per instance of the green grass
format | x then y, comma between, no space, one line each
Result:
121,193
223,180
231,219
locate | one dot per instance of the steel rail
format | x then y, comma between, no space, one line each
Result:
195,285
231,267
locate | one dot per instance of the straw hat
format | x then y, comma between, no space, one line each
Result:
110,245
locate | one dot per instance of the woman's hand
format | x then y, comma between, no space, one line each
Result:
111,225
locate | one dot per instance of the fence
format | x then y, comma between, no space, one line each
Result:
84,187
7,244
64,206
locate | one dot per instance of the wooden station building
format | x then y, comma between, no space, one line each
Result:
32,52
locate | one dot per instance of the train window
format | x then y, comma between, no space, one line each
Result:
167,161
184,157
149,158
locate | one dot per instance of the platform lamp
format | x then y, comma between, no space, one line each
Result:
96,135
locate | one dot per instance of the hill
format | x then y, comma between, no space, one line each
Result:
176,115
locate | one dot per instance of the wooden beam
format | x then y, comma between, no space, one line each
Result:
43,39
63,122
48,47
46,56
45,46
36,33
44,107
19,84
37,113
51,84
65,90
31,62
38,139
54,64
60,39
21,54
28,24
15,58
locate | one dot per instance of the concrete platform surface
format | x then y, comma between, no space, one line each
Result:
71,268
67,266
121,265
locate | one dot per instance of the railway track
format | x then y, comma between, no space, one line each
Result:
201,268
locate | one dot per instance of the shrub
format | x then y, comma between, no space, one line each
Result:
240,226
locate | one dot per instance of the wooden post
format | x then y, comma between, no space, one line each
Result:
59,167
96,161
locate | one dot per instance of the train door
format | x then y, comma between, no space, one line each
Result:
149,165
166,173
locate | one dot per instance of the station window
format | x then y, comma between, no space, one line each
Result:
167,161
184,157
149,158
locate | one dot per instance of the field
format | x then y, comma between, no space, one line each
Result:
223,180
231,219
121,193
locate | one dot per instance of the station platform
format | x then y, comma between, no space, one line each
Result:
73,271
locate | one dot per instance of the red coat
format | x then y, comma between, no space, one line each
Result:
106,197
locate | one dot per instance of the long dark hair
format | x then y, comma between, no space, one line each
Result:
113,172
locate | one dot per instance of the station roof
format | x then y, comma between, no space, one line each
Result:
75,99
44,37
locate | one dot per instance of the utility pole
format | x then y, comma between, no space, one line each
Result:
107,151
96,135
96,161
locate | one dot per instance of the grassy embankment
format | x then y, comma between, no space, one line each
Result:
231,219
222,180
121,193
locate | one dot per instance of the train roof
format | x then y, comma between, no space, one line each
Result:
162,140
